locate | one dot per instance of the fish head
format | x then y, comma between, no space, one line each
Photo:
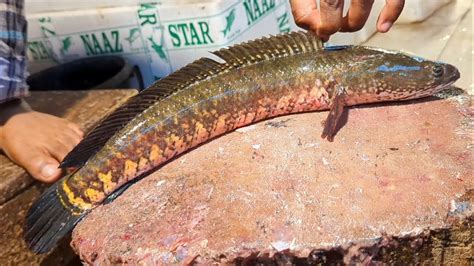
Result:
403,76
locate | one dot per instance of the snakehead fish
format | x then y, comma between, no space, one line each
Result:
256,80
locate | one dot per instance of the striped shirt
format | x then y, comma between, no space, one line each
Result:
12,50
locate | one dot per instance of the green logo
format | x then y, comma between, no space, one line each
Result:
46,32
190,33
38,50
45,19
229,20
158,48
102,43
257,8
66,44
147,14
133,35
284,22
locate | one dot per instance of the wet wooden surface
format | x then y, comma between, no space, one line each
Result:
18,190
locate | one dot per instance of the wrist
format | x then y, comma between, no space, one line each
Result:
11,108
8,110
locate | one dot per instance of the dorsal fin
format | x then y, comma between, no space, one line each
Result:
235,56
268,48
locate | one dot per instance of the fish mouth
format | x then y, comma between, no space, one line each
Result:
452,74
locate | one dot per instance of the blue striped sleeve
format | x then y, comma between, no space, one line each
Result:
13,60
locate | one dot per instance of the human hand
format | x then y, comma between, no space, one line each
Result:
36,141
329,19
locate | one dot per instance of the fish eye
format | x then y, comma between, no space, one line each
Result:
438,71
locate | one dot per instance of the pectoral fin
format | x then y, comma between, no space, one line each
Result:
337,108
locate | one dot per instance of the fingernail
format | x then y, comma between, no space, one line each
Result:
385,26
49,170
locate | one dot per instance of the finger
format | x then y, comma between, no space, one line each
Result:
324,38
357,15
305,13
76,129
70,139
42,166
331,17
60,148
390,13
50,172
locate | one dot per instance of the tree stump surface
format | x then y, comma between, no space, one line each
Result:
396,185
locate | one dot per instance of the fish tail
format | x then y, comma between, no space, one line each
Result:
49,220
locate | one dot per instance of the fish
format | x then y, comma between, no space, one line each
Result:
229,20
133,35
244,84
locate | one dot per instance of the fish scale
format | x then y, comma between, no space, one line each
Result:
260,79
